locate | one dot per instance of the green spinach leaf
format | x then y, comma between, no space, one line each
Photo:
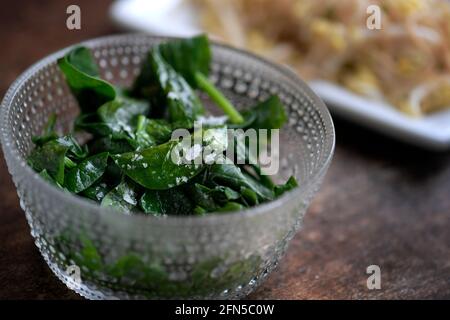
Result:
269,114
160,130
108,144
97,191
230,175
120,116
88,256
160,83
82,76
123,197
86,173
73,147
289,185
188,56
46,176
154,167
231,206
250,196
223,194
91,123
166,202
49,157
201,196
191,58
142,138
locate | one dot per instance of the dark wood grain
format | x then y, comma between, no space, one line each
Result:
381,203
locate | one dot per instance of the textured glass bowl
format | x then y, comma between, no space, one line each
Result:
118,256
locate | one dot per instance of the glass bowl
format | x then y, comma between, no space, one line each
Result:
102,254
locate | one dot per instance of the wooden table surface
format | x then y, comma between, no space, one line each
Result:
381,203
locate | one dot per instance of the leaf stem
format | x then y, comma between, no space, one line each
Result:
69,163
140,123
217,96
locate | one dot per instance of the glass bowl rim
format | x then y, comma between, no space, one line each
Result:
10,150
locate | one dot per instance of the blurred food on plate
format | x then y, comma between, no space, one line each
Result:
406,62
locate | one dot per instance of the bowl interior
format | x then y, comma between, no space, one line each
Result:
306,141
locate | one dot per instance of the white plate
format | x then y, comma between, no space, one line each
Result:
177,18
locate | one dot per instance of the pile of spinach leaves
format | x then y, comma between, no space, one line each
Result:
125,164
